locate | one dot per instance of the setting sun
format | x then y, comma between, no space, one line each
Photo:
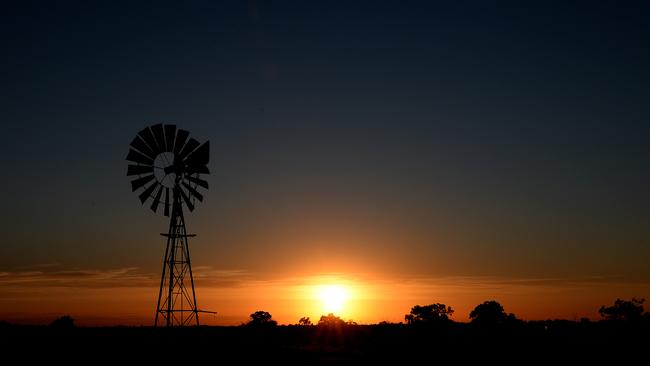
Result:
332,297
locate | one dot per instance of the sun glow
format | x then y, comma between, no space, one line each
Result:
332,297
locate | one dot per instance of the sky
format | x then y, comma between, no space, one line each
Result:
408,152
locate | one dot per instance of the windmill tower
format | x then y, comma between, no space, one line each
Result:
167,170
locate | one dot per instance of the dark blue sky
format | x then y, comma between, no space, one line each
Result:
504,138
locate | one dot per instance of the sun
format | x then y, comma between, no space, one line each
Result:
332,297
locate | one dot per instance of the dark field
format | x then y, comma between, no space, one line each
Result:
556,342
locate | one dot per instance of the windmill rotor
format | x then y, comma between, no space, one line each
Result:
168,164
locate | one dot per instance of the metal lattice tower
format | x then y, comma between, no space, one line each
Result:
176,301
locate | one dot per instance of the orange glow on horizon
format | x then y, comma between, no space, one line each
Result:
351,296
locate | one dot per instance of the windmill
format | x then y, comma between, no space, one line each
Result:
167,169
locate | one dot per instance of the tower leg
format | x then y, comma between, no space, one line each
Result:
162,280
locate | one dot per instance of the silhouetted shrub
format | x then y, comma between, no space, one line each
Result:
433,313
304,321
623,310
491,315
64,322
261,319
332,321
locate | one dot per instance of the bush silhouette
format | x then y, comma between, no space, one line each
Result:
261,319
64,322
490,314
623,310
331,320
304,321
429,314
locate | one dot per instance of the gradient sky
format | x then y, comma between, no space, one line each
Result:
417,152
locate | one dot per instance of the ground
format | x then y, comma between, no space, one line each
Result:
530,343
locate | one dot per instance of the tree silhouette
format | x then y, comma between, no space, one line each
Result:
623,310
490,314
331,320
304,321
429,313
262,318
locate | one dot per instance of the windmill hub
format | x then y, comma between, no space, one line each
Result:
164,169
167,169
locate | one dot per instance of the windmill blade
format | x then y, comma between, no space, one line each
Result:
142,147
139,169
137,183
188,148
200,156
187,200
193,192
149,139
166,201
181,137
137,157
156,200
197,181
170,136
147,192
160,136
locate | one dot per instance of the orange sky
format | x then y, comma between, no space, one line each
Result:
125,296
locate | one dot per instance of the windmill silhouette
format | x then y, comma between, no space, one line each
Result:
166,161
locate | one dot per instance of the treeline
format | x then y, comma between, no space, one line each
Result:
487,315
